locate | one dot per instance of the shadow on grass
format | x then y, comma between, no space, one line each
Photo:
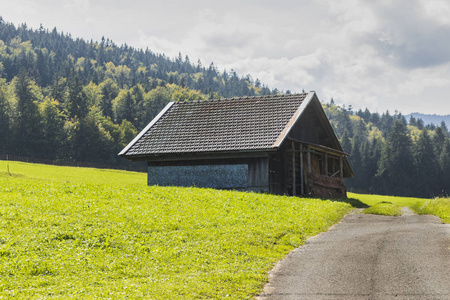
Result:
352,201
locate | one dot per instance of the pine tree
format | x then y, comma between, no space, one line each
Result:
109,90
439,139
27,134
426,166
4,122
76,102
356,162
396,163
444,168
345,142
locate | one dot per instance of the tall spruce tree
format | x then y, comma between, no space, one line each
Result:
27,134
395,176
76,102
444,168
345,142
4,122
356,162
426,166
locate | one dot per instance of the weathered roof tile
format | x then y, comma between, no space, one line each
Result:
250,123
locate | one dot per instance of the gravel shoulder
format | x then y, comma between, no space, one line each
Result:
368,257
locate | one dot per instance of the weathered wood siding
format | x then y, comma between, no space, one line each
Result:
207,176
311,129
249,174
258,175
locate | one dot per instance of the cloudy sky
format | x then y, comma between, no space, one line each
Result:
378,54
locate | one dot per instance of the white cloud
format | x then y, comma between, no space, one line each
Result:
376,54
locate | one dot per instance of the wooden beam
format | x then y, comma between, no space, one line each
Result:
341,166
294,192
308,160
302,188
322,148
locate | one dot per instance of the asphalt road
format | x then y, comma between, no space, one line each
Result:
368,257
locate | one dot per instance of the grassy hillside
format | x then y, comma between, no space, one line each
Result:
88,233
13,169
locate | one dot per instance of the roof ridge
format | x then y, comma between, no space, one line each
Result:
243,97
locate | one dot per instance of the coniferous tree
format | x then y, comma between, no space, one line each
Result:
4,122
426,166
372,162
76,101
345,142
439,139
444,169
356,162
394,175
27,134
109,90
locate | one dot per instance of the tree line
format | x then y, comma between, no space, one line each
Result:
391,155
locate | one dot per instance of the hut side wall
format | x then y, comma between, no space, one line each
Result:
207,176
249,174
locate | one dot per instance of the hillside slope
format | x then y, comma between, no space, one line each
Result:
62,235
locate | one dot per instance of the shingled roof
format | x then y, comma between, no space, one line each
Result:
235,124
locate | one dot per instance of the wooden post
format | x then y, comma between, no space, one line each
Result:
285,172
326,164
341,166
302,188
293,169
308,162
308,158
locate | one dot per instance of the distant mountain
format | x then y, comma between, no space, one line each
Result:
428,119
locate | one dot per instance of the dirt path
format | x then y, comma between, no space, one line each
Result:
368,257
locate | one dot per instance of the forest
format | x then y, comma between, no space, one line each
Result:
70,101
391,155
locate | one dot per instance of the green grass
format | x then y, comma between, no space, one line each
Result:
65,234
438,206
384,208
70,174
370,200
388,205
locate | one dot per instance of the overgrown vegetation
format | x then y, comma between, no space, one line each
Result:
438,206
390,205
366,200
384,208
63,236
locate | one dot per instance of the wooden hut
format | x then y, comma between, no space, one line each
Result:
280,144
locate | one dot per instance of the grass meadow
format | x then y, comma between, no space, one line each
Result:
103,234
383,208
391,205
